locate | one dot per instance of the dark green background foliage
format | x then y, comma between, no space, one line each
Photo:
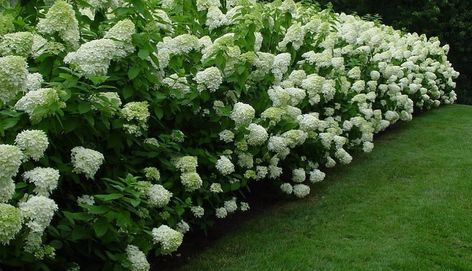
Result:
450,20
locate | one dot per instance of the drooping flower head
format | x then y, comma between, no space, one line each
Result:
33,143
242,113
13,72
38,212
158,196
169,239
10,161
19,44
44,179
60,19
137,258
86,161
46,99
10,222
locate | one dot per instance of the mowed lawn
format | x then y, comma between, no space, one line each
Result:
405,206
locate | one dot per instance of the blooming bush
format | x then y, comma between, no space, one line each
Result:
126,123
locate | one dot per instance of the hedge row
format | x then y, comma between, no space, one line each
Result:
125,124
449,20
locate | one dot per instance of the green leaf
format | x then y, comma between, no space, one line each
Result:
109,197
143,54
84,108
133,72
100,227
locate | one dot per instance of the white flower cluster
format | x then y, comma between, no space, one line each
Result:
19,44
137,258
86,161
11,222
224,165
189,176
60,19
13,74
158,196
33,143
242,113
210,79
137,115
44,179
10,161
93,58
43,98
168,238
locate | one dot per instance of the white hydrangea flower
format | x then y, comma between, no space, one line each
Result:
13,75
182,227
19,43
216,188
191,181
34,81
244,206
261,172
93,58
317,176
354,73
242,113
158,196
44,179
226,136
206,4
137,258
11,221
257,135
169,239
224,165
137,115
286,188
245,160
41,98
275,171
86,161
152,173
38,212
294,35
280,65
298,175
121,33
180,45
187,163
367,146
10,161
231,205
210,78
221,212
7,190
197,211
215,18
343,156
330,162
86,200
33,143
277,144
61,19
301,190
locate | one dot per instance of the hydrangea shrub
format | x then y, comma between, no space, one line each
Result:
124,124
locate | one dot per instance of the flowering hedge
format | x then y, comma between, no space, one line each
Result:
126,123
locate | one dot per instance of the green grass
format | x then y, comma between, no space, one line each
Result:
405,206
